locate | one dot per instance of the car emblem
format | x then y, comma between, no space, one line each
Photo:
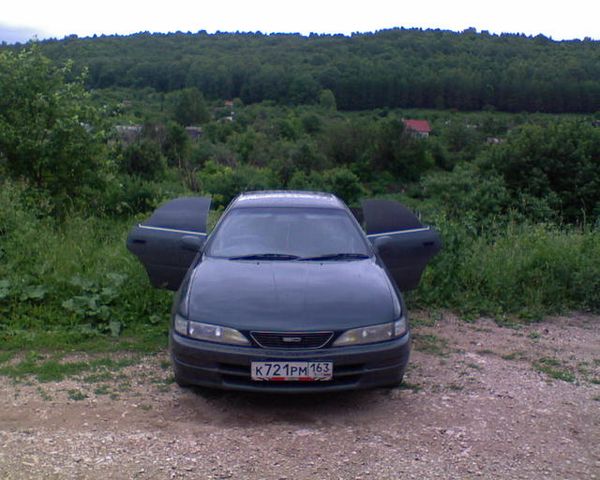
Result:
292,339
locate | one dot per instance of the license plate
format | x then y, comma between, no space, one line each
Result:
292,371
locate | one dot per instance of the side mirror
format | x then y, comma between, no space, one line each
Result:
192,243
380,243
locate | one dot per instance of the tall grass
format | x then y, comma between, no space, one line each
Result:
66,281
524,270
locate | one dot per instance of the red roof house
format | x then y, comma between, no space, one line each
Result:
419,128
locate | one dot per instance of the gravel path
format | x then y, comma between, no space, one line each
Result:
480,401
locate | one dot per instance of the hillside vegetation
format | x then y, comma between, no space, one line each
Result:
516,197
395,68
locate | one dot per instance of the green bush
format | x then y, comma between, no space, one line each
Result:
224,183
467,192
70,279
143,159
339,181
557,164
50,133
129,195
524,270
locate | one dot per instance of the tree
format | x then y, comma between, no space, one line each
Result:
327,100
177,145
49,130
190,107
398,152
558,163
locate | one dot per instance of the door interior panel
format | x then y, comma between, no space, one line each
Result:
157,242
409,245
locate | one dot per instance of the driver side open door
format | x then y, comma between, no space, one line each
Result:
407,245
159,241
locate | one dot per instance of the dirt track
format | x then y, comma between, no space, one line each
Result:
476,405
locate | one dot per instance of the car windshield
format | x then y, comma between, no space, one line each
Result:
288,234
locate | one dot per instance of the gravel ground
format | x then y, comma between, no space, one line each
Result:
475,405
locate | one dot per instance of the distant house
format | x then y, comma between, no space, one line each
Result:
194,132
418,128
128,134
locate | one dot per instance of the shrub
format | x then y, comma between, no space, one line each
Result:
143,159
223,183
527,270
126,195
467,192
72,276
558,164
190,107
340,181
50,133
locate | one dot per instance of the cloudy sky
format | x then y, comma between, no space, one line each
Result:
20,20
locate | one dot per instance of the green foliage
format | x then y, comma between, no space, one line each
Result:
558,164
143,159
93,302
311,123
224,183
554,369
64,283
467,193
398,152
395,68
126,195
190,107
327,100
50,134
340,181
304,156
525,270
177,146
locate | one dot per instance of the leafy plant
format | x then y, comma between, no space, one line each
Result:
94,302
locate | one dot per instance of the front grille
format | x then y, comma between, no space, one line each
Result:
291,340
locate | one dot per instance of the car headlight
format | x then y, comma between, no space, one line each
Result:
209,332
372,334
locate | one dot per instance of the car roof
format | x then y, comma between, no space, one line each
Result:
287,198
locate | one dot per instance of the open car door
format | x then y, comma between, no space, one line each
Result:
159,241
406,245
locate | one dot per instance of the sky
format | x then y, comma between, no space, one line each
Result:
21,20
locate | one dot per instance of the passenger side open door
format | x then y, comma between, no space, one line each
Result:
403,243
169,240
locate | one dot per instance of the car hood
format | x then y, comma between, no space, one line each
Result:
290,295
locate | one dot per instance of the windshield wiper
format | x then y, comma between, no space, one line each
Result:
337,256
266,256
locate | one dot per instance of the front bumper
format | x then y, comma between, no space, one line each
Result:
228,367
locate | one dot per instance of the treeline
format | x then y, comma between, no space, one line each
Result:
405,68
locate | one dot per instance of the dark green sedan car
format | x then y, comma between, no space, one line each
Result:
288,293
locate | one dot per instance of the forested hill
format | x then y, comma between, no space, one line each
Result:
391,68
